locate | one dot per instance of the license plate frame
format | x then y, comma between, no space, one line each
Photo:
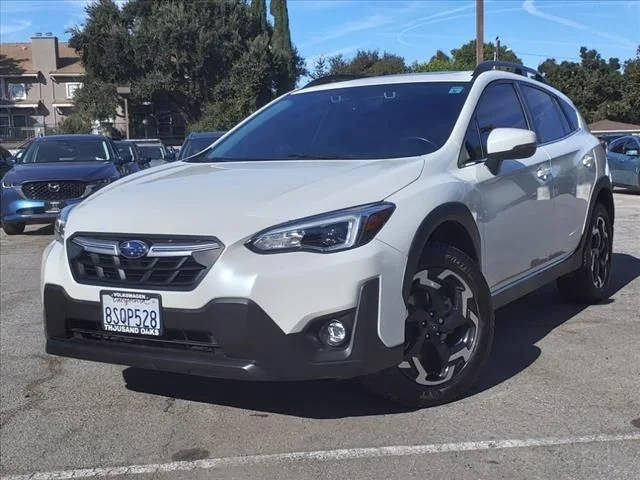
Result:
134,324
53,207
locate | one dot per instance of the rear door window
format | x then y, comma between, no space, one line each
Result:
570,113
499,107
549,121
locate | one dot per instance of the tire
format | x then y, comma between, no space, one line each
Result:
430,373
590,283
13,228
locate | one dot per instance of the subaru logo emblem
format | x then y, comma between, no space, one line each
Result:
53,187
133,249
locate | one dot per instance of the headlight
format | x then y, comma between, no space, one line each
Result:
61,223
9,184
329,232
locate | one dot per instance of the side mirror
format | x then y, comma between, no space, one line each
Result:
11,161
509,144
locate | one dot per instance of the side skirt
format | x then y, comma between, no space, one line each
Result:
512,292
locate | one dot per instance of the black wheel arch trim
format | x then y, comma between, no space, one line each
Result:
447,212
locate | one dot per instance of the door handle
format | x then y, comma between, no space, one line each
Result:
544,173
587,161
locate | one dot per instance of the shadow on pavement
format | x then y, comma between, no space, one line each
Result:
519,326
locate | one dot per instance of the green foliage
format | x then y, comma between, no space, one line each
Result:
259,10
187,55
365,62
598,87
97,99
74,123
464,58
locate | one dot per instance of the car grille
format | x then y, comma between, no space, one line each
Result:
53,190
180,271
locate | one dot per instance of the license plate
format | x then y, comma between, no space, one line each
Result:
53,207
131,313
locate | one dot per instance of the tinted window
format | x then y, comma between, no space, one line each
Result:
125,150
150,151
368,122
472,147
570,113
630,144
549,121
499,107
195,145
77,150
617,146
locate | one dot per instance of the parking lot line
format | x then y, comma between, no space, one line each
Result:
321,455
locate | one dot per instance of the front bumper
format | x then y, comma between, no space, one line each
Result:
244,342
19,210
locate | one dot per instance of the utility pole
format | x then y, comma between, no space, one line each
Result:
479,31
496,54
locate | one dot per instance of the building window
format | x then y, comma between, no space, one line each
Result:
19,120
17,91
72,87
3,94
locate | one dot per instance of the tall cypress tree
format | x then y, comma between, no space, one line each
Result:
259,10
281,40
282,48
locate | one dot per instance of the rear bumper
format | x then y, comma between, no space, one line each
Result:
245,343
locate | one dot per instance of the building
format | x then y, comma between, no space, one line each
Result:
37,84
609,127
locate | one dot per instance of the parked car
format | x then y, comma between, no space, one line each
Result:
6,161
131,156
54,172
365,228
196,142
154,151
624,160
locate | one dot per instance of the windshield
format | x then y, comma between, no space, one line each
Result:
125,150
379,121
75,150
195,145
152,152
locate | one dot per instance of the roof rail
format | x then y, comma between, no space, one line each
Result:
509,67
333,79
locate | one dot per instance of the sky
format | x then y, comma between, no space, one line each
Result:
533,29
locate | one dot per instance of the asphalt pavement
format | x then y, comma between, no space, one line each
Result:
560,399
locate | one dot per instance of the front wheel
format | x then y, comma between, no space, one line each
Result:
13,228
448,333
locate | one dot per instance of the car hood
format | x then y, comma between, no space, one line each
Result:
82,171
234,200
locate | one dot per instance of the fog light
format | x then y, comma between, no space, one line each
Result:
334,333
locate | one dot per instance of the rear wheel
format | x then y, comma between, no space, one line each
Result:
13,228
448,332
590,284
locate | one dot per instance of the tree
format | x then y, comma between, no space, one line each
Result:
594,85
259,11
464,58
284,55
186,55
365,62
75,123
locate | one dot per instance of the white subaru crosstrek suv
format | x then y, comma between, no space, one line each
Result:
362,228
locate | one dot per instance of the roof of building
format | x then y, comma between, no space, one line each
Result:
15,58
611,126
